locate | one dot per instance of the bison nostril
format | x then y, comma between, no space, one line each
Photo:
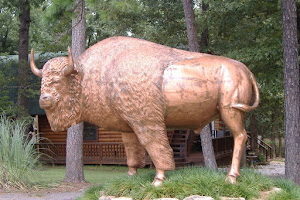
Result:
46,101
45,98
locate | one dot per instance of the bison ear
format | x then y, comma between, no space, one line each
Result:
33,67
70,69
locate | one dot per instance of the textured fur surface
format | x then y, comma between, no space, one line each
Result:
66,93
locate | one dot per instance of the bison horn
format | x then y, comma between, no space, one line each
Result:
67,71
33,67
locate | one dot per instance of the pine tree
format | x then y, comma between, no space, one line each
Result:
74,151
24,17
291,90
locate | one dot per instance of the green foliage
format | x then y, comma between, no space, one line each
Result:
262,157
157,21
18,156
9,23
7,76
51,26
9,30
9,87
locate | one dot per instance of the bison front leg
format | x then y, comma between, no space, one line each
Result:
135,152
155,140
140,102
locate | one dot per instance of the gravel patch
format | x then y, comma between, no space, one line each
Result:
274,169
64,191
37,196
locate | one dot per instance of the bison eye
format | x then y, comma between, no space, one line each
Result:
56,81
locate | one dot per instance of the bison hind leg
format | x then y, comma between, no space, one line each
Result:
234,120
135,152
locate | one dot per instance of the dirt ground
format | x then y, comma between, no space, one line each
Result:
73,191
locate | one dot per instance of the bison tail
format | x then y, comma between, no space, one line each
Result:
248,108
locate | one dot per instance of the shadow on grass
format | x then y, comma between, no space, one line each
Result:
194,181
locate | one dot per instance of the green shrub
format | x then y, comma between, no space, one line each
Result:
261,157
18,155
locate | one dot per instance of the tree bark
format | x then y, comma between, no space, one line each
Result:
24,17
190,25
280,147
273,134
204,35
291,90
253,133
207,148
74,149
74,155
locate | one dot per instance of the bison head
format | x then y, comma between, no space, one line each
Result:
60,91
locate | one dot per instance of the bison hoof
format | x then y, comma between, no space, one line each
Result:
230,179
157,182
132,171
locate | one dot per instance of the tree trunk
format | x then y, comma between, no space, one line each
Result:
74,149
261,133
24,17
273,136
291,90
204,35
280,147
190,25
206,140
207,148
74,155
253,133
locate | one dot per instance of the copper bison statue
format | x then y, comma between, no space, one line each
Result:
132,85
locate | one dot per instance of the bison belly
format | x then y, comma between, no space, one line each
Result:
191,94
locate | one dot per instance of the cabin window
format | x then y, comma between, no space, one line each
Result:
90,132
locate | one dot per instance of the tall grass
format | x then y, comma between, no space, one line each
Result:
290,191
190,181
18,155
183,183
194,181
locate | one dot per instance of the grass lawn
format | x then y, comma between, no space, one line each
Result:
48,176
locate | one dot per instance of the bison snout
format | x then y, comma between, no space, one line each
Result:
46,101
